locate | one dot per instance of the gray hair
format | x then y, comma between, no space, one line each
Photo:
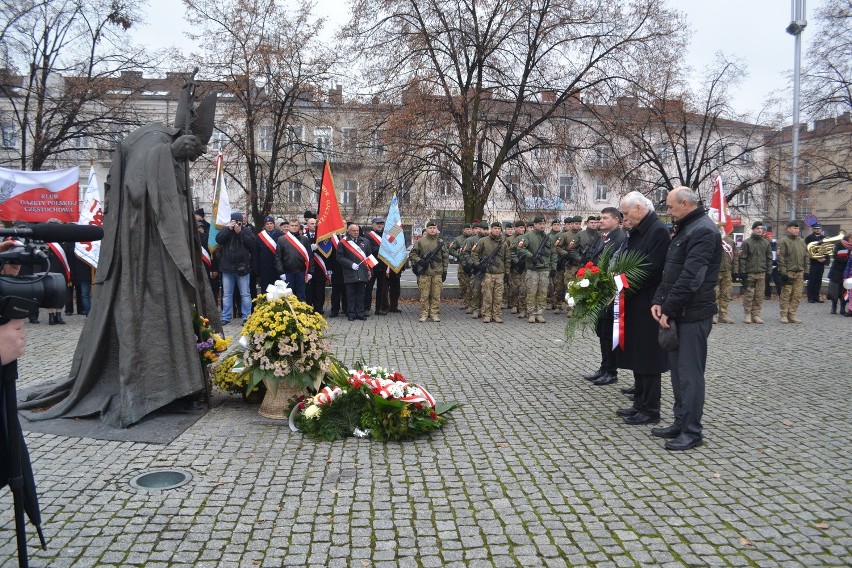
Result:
636,199
683,193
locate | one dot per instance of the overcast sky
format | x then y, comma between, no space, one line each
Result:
750,30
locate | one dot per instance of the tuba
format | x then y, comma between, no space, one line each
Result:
825,247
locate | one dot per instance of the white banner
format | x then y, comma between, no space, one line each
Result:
91,213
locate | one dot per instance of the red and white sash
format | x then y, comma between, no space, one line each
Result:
291,238
377,238
729,250
621,285
60,254
358,252
266,239
205,256
323,267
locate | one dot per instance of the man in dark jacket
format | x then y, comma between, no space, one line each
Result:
293,259
686,295
642,353
266,249
351,257
236,244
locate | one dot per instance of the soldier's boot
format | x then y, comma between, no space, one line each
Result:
522,315
422,319
468,310
436,318
531,319
784,319
475,314
756,319
747,319
514,309
793,318
498,319
715,319
486,319
539,319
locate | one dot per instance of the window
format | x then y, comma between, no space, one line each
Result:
805,208
377,146
322,138
663,153
220,137
513,185
264,138
538,188
659,198
445,187
540,152
601,191
747,157
349,195
81,142
566,188
404,193
10,135
295,136
602,157
743,199
805,175
294,192
350,140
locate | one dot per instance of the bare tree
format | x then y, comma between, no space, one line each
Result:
481,78
270,65
56,85
827,76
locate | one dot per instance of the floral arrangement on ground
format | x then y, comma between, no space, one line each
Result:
594,287
370,401
208,343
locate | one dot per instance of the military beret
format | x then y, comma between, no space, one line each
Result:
507,224
555,222
567,219
431,223
792,223
591,218
577,219
483,224
520,224
756,224
538,219
496,224
469,226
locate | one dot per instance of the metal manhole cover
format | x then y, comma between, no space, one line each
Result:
161,480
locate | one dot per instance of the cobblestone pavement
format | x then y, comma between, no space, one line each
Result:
534,469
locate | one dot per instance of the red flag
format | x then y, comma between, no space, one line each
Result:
719,206
329,220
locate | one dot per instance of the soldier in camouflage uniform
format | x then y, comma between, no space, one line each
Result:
454,252
793,258
475,286
723,288
508,234
553,235
567,259
431,278
536,248
517,274
585,240
755,262
491,259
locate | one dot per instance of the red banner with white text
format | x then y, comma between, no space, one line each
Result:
38,197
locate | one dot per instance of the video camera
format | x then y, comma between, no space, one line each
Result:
21,294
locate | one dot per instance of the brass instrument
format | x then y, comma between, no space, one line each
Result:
825,247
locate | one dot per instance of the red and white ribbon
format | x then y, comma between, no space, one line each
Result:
266,239
621,284
323,267
382,388
291,238
205,256
59,252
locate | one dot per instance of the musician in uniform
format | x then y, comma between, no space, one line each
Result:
817,265
429,258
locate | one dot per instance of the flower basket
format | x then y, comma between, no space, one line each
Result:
277,400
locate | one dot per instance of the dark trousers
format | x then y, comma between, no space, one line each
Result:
647,396
69,300
355,299
296,282
815,280
394,289
315,292
609,356
338,292
687,364
380,280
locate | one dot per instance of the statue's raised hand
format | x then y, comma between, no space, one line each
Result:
188,147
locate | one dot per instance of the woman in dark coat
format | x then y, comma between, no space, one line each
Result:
835,274
642,354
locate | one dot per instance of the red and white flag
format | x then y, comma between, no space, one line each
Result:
719,206
621,285
91,213
38,197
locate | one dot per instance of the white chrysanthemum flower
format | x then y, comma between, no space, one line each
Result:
312,412
584,283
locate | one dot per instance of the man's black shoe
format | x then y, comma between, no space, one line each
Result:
641,418
363,318
820,301
629,411
684,442
629,390
605,379
332,315
351,318
395,310
593,376
672,431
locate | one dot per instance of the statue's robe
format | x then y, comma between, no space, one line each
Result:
137,351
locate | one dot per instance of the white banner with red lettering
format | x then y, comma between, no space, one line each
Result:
38,197
91,213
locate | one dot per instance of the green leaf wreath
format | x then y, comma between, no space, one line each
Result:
593,288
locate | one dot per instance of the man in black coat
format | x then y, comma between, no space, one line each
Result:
351,254
687,295
642,353
379,273
266,247
293,259
610,237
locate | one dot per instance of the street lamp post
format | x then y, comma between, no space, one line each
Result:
795,29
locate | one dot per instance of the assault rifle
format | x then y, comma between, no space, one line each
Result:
426,261
537,255
480,269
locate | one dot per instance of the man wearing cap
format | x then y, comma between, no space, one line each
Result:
554,301
723,289
585,239
432,273
321,270
491,259
792,260
236,244
755,262
293,259
474,289
379,273
508,235
536,249
565,260
517,274
817,266
199,218
264,257
455,249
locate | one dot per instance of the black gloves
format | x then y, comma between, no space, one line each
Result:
553,274
444,277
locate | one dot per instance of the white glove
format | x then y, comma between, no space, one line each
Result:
354,266
329,273
283,277
313,246
308,277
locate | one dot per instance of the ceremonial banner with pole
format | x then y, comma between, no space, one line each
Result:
329,221
221,204
719,206
91,213
392,251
